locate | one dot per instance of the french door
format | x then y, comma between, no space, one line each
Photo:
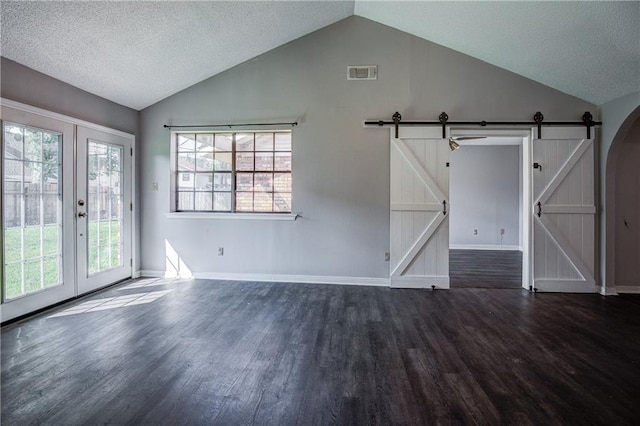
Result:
103,209
65,228
419,218
37,210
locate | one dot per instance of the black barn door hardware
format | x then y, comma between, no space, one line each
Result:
396,121
538,118
228,126
443,118
587,119
539,205
444,207
443,121
537,166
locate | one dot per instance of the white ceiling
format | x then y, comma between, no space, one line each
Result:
588,49
137,53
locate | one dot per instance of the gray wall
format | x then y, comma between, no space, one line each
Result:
613,115
627,210
484,190
31,87
341,170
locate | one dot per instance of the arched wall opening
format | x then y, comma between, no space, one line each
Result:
623,208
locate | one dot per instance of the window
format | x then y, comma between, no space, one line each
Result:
32,208
248,172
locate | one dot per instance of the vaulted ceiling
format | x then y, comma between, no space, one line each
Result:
137,53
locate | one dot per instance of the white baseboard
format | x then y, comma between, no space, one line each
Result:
628,289
483,247
607,291
283,278
439,282
145,273
564,286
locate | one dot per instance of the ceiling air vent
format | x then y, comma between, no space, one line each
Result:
362,72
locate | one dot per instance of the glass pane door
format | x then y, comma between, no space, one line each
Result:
104,206
103,211
37,226
32,201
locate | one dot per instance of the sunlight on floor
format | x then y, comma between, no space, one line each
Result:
175,266
112,303
152,282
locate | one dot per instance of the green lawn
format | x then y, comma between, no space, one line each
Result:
42,264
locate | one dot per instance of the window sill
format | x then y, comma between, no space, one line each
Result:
236,216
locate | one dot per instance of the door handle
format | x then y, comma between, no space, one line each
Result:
539,209
444,207
82,214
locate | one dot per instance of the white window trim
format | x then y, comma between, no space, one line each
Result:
212,215
238,216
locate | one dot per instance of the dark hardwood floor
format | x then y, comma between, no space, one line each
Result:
228,353
485,268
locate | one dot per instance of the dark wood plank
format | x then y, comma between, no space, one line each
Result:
217,352
485,268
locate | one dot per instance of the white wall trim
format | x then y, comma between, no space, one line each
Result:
426,282
515,132
306,279
607,291
147,273
483,247
61,117
233,216
628,289
564,286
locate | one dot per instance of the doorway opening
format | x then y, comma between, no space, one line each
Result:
623,209
67,210
489,218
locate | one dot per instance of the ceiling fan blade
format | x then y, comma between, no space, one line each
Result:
468,138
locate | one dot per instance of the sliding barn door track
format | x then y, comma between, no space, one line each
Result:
443,120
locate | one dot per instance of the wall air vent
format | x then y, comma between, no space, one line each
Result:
362,72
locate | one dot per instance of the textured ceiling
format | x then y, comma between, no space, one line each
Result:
137,53
589,49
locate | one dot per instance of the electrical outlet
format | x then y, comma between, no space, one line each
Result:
220,251
501,231
387,256
475,232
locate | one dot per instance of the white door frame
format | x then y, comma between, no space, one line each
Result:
39,299
8,313
526,191
88,282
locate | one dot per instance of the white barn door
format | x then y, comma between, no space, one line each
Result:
419,209
563,211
